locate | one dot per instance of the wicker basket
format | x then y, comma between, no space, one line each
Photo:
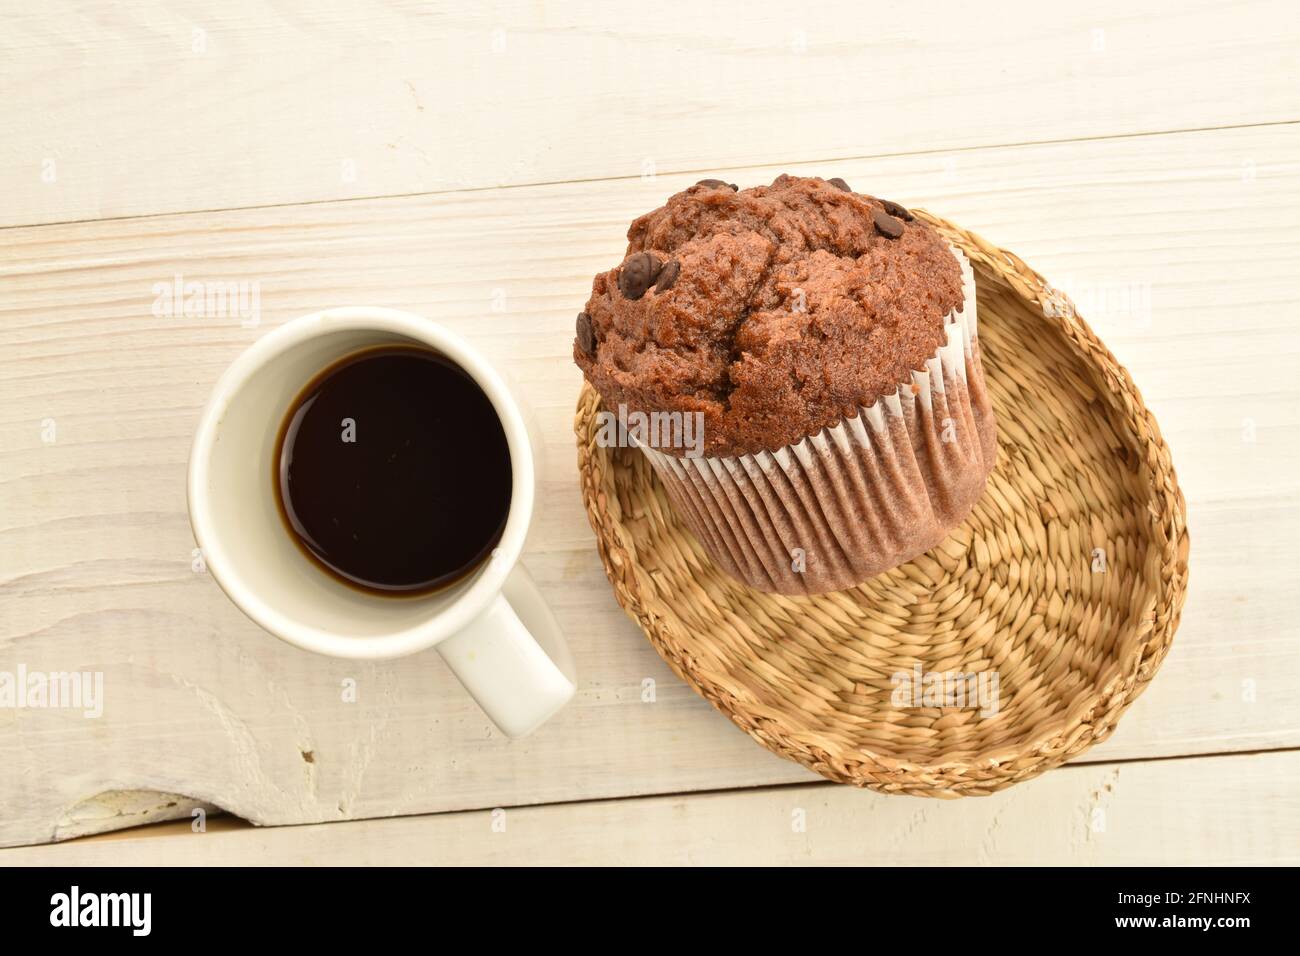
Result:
1066,581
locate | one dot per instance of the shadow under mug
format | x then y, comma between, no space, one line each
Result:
491,626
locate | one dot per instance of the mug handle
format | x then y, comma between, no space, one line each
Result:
519,683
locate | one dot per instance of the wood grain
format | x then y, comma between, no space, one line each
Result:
1236,810
95,548
149,106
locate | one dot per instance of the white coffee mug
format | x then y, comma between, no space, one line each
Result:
518,680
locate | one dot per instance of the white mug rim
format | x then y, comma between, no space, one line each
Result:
491,578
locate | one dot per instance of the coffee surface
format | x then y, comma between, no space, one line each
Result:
393,472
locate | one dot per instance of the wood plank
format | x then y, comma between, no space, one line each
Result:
95,545
1235,810
149,106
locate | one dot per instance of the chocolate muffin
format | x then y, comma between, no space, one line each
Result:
812,357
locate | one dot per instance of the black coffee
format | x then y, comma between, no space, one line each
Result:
392,471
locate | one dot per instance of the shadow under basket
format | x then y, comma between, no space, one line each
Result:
1063,588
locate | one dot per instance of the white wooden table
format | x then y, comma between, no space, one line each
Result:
479,168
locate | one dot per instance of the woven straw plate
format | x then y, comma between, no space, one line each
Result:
1067,580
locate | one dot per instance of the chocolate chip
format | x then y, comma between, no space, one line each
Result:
840,184
668,277
886,225
716,184
894,209
586,334
638,274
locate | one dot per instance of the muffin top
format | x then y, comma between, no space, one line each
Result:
775,311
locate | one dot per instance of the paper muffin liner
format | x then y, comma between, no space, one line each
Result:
859,497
